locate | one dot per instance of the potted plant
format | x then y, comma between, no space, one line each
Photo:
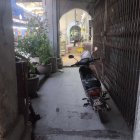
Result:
44,50
33,81
44,53
36,43
33,78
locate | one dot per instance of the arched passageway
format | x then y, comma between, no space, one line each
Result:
74,31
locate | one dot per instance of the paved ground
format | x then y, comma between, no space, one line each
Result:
64,118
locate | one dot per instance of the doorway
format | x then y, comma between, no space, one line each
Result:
74,31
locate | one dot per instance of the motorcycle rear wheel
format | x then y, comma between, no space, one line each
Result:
103,116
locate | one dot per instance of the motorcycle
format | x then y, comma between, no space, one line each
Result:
96,97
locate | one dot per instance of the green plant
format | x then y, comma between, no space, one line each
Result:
29,44
36,42
44,51
31,68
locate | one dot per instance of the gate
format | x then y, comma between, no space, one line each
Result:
116,27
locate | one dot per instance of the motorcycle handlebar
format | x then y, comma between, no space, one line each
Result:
84,63
93,60
76,64
73,65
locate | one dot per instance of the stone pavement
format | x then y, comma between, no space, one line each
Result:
63,116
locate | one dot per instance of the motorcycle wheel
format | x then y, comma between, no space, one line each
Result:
103,116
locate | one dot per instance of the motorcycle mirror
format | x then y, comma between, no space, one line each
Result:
95,49
71,56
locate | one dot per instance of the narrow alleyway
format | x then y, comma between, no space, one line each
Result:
63,116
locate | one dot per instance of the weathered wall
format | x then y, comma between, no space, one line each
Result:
11,124
8,93
52,14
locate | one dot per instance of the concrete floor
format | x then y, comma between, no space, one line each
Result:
60,105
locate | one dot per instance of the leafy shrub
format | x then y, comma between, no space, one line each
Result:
36,42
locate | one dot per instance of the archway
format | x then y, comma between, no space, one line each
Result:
74,29
75,34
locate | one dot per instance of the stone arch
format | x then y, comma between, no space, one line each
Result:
66,6
72,23
67,21
75,31
70,20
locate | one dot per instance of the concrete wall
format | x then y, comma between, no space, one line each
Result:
52,13
11,124
8,89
